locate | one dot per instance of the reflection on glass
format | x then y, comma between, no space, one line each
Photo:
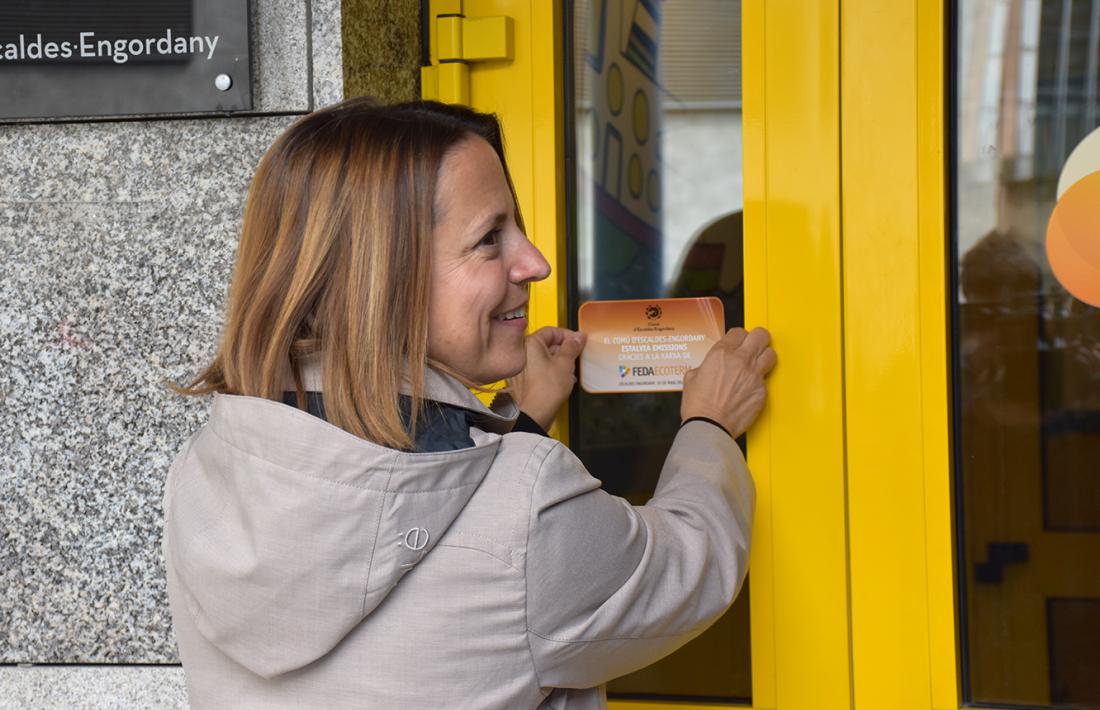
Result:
657,140
1028,352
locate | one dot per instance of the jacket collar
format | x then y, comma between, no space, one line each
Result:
438,387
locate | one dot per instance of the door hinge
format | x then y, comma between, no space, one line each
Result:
459,41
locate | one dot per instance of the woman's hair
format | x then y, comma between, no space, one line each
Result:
335,258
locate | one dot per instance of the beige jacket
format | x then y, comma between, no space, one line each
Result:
308,568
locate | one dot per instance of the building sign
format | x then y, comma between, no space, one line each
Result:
87,58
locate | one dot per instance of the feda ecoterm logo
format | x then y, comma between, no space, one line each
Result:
653,371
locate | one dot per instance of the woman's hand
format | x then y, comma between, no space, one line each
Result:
548,378
728,386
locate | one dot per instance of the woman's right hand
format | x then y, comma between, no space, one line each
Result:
728,386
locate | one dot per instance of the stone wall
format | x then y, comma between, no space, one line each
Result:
382,49
116,245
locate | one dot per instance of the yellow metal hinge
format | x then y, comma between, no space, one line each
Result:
457,41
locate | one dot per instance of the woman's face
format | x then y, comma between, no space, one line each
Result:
481,266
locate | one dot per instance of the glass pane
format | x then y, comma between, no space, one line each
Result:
1027,349
657,192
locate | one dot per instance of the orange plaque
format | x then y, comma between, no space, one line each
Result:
646,345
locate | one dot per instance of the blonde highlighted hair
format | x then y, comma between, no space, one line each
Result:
335,258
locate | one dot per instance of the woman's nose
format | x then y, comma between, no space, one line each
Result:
527,264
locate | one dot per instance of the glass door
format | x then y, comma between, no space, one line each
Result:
680,187
656,190
895,563
1027,349
971,176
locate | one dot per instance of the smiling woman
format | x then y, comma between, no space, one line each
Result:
353,527
482,265
335,265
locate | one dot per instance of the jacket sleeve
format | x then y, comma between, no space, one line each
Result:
613,587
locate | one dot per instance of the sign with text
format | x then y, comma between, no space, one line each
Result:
646,345
88,58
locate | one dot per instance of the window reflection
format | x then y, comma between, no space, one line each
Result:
657,189
1028,354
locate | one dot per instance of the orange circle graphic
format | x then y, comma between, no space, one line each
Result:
1073,240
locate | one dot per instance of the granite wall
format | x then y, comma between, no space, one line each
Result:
116,245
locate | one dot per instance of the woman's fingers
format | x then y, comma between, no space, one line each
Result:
734,337
550,336
563,341
765,361
548,378
756,341
572,346
755,348
728,386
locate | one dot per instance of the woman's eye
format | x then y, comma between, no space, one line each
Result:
492,239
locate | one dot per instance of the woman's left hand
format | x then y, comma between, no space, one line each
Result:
548,378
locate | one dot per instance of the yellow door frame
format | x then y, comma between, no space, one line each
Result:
844,123
800,606
897,392
526,91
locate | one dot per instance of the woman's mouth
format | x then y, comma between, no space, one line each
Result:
513,317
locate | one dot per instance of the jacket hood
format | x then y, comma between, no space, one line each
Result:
284,532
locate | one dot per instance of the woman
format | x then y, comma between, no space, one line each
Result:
352,527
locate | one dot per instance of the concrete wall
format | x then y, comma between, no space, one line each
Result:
116,244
